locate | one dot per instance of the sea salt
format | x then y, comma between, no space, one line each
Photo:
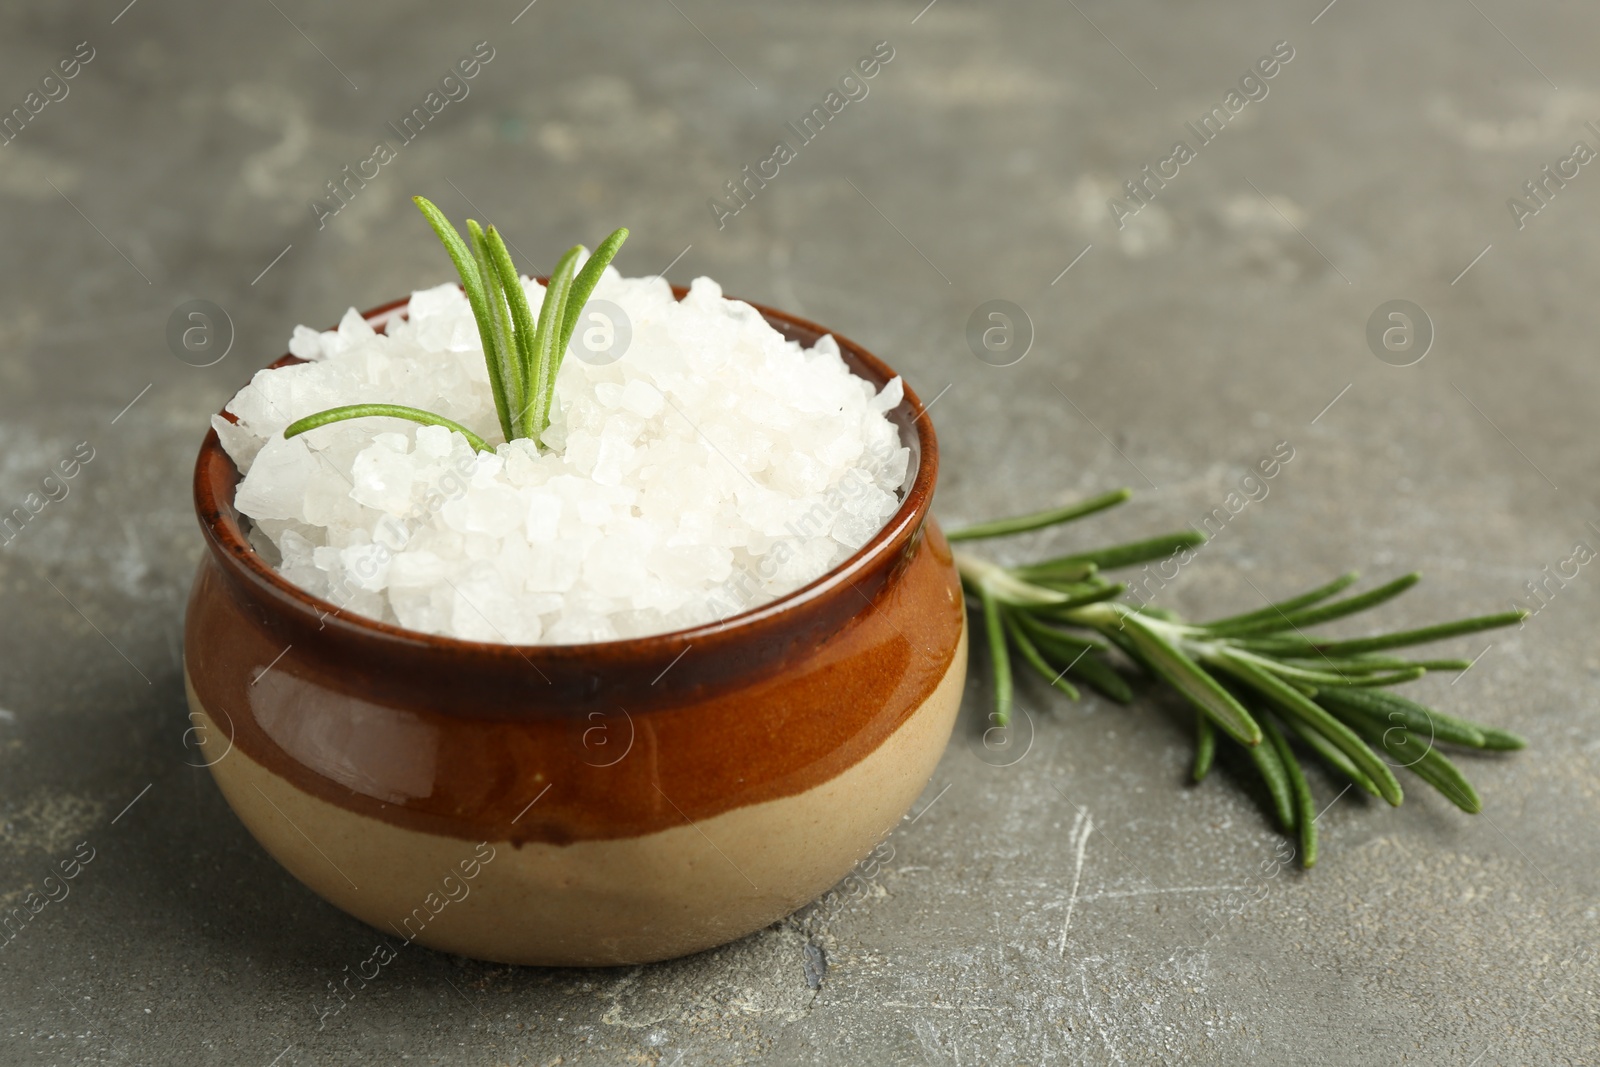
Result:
714,467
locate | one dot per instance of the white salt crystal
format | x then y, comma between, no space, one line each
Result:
544,516
433,441
367,565
305,343
608,394
491,509
614,567
862,518
275,488
421,607
555,567
419,569
238,442
522,463
484,608
892,394
642,398
382,474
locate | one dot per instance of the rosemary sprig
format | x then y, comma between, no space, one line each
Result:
1257,678
523,353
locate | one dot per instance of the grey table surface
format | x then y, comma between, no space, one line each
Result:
1082,904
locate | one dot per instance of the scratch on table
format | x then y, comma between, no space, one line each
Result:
1082,827
1114,894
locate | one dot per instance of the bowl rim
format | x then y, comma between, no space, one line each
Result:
220,522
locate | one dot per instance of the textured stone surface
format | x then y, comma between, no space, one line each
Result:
1082,904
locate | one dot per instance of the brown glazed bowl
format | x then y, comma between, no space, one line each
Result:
598,804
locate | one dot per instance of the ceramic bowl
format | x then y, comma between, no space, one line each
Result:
597,804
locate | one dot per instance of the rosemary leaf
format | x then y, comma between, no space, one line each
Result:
1421,636
1392,709
393,411
1061,642
1322,678
1079,594
1425,761
1333,756
1004,585
1283,607
547,357
1305,807
1205,745
1497,740
1313,616
1290,701
583,285
1169,662
1346,665
472,283
1031,655
1067,570
1080,656
1117,555
1099,675
508,283
505,371
999,659
1269,762
1039,519
1435,768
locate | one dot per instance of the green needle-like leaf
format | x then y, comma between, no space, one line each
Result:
1079,594
1350,665
393,411
505,371
547,357
1306,617
1305,806
1095,672
1320,678
1290,701
1004,585
1205,745
1039,519
583,286
1116,555
1284,607
1333,756
1421,636
473,284
1435,768
1079,657
1269,762
1067,570
1054,641
1031,655
1496,740
509,282
999,657
1392,709
1419,756
1170,663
